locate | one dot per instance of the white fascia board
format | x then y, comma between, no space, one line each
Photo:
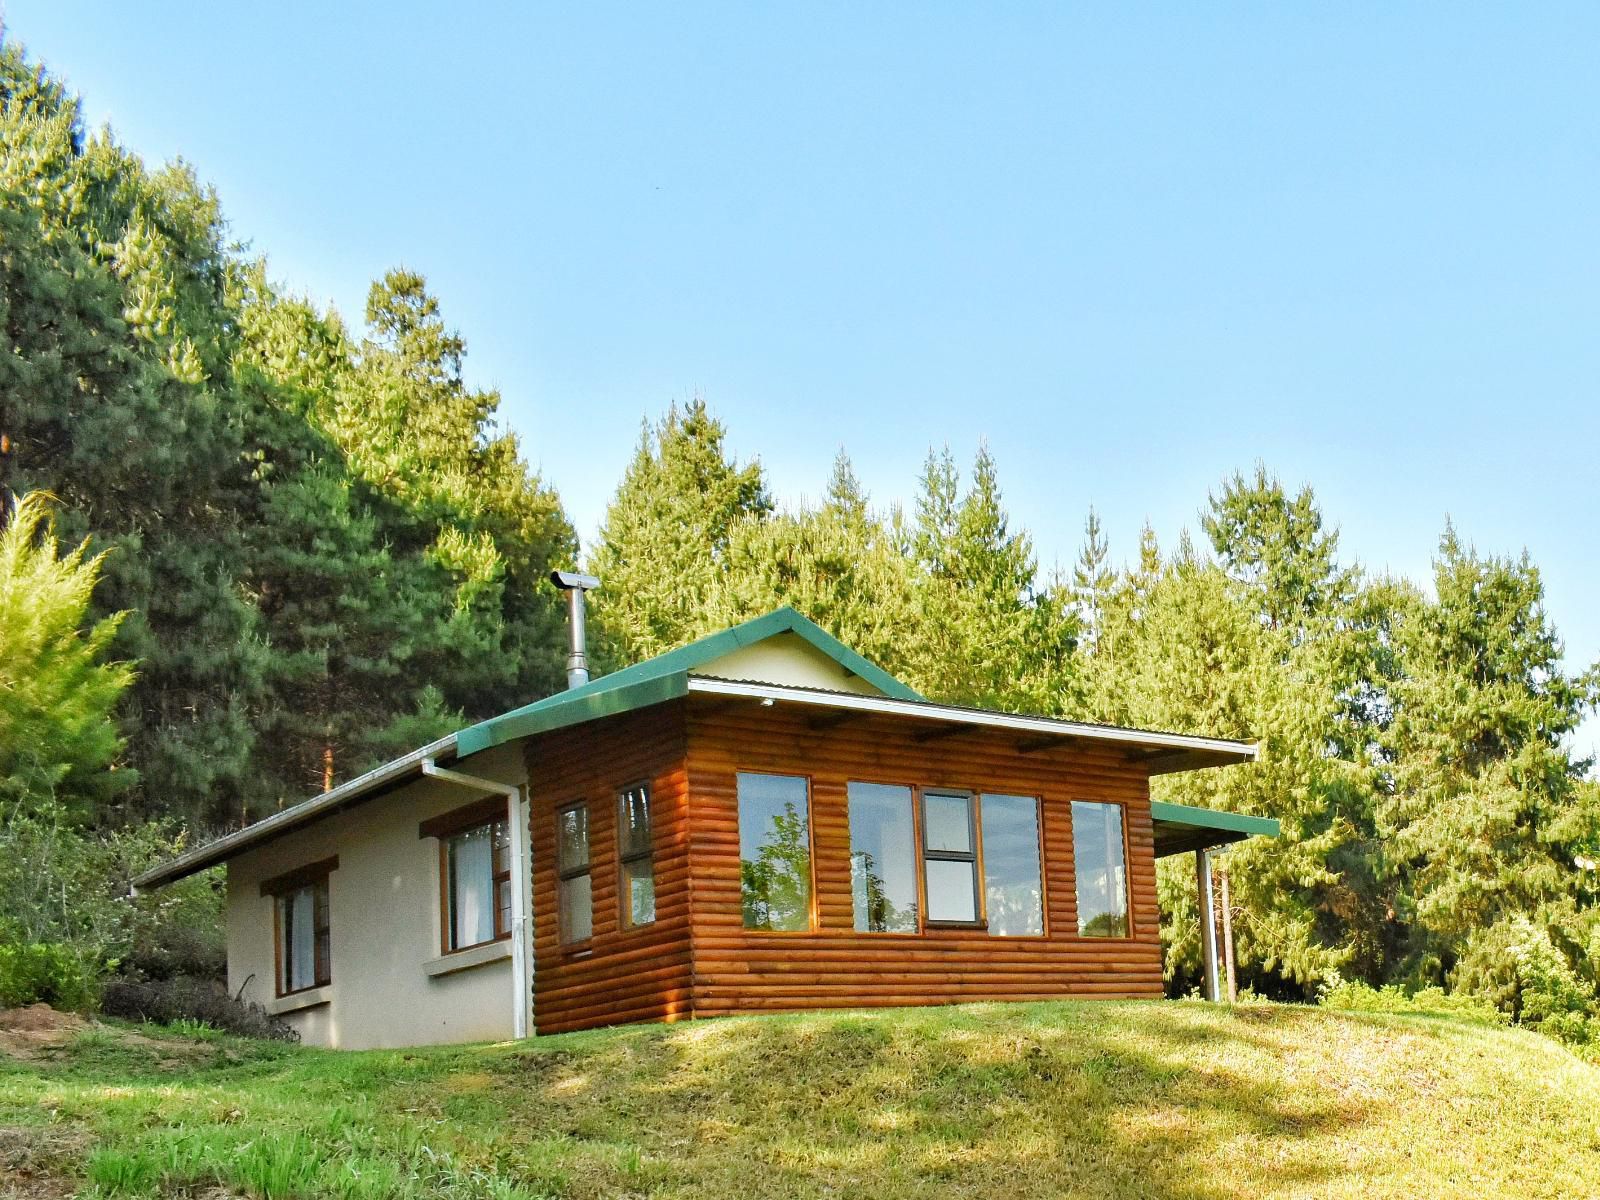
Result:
230,845
927,710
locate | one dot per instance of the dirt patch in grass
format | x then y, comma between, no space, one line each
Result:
25,1032
36,1161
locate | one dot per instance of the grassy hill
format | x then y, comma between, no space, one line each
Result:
1158,1100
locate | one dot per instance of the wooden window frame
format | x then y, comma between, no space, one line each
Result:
916,858
1127,877
813,925
565,874
491,810
648,854
315,876
973,856
1044,884
502,929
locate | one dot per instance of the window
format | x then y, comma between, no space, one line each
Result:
1013,894
301,927
635,857
774,852
883,869
474,873
477,867
950,857
575,900
1101,869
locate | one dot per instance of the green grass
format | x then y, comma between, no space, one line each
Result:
1158,1100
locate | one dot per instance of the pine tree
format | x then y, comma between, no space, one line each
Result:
990,635
1092,579
667,531
107,349
1488,809
59,741
838,564
1277,546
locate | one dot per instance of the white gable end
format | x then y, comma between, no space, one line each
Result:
789,660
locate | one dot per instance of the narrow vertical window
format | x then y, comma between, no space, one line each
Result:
1012,889
1101,869
635,857
477,885
575,899
774,852
302,928
883,868
950,858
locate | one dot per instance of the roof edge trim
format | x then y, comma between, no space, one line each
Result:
609,703
209,854
1242,751
1211,818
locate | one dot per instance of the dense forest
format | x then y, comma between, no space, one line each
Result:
250,549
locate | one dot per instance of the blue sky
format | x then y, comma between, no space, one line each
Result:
1134,250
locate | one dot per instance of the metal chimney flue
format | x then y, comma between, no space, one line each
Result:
575,585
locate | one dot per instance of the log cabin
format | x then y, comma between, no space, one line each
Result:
759,821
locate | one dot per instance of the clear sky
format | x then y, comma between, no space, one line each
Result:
1135,248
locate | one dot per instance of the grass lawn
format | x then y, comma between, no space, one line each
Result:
1159,1100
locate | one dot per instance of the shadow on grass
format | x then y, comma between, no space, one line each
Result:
1163,1100
1042,1100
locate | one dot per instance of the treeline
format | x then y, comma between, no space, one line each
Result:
1417,743
327,551
326,548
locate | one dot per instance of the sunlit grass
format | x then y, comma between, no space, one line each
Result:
1106,1100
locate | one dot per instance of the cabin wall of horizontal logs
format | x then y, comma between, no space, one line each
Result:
618,974
699,960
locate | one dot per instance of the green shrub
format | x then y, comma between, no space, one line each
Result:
1517,966
41,972
183,999
61,884
1353,996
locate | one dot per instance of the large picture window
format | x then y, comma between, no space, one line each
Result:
1013,892
774,851
883,867
302,930
575,887
1101,868
950,857
477,864
635,857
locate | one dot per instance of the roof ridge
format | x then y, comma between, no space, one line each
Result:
679,661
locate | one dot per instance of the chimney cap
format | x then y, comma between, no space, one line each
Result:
571,579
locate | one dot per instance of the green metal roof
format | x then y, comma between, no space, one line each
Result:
666,677
1179,827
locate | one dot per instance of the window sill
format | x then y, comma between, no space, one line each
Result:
465,960
310,998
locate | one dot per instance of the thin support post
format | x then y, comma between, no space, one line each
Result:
1227,937
1208,924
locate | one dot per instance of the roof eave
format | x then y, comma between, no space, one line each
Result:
267,829
1189,828
591,707
1169,751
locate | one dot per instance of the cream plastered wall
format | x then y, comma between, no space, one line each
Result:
790,660
384,925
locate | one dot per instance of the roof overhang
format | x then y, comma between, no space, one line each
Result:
392,774
1161,753
1179,828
